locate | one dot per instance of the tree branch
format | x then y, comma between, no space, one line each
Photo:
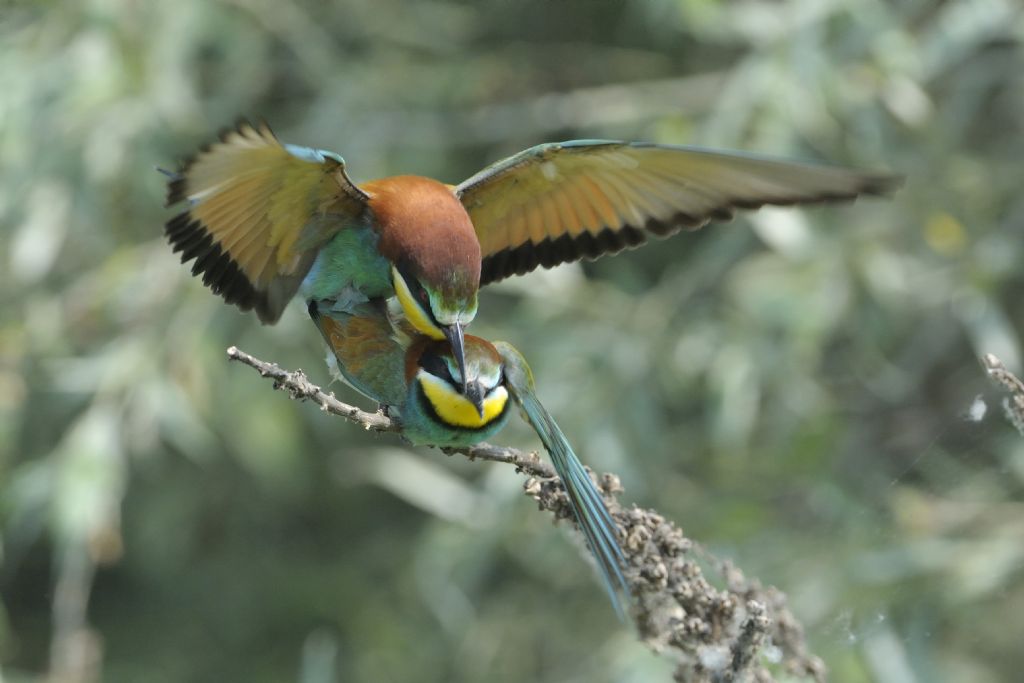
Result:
715,634
300,388
1014,403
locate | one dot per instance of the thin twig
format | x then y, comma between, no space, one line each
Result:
1014,403
300,388
714,634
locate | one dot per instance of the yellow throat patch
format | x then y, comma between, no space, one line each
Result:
454,409
413,310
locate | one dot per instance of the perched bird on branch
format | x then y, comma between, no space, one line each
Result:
438,401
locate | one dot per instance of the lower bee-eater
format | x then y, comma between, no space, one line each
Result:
438,401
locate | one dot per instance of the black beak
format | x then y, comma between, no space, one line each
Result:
475,393
454,334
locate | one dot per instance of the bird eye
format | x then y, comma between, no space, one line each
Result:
418,290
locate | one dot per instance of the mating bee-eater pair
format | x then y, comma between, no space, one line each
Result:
403,257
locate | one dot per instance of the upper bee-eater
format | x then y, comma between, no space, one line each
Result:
264,220
438,401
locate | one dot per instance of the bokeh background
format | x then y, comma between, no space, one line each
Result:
798,390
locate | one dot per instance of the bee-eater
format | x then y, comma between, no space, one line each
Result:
264,220
438,401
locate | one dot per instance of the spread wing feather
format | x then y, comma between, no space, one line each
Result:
565,201
256,212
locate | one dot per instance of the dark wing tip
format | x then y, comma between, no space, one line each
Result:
218,270
550,252
177,185
177,190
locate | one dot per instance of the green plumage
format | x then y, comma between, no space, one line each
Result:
349,269
592,516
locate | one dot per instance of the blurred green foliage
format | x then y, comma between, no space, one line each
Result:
792,389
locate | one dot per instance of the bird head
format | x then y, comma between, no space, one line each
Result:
470,402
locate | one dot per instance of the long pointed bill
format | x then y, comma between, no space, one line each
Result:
454,334
475,392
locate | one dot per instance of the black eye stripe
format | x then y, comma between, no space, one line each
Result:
418,292
436,366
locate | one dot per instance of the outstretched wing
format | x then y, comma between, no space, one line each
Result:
592,516
256,212
561,202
